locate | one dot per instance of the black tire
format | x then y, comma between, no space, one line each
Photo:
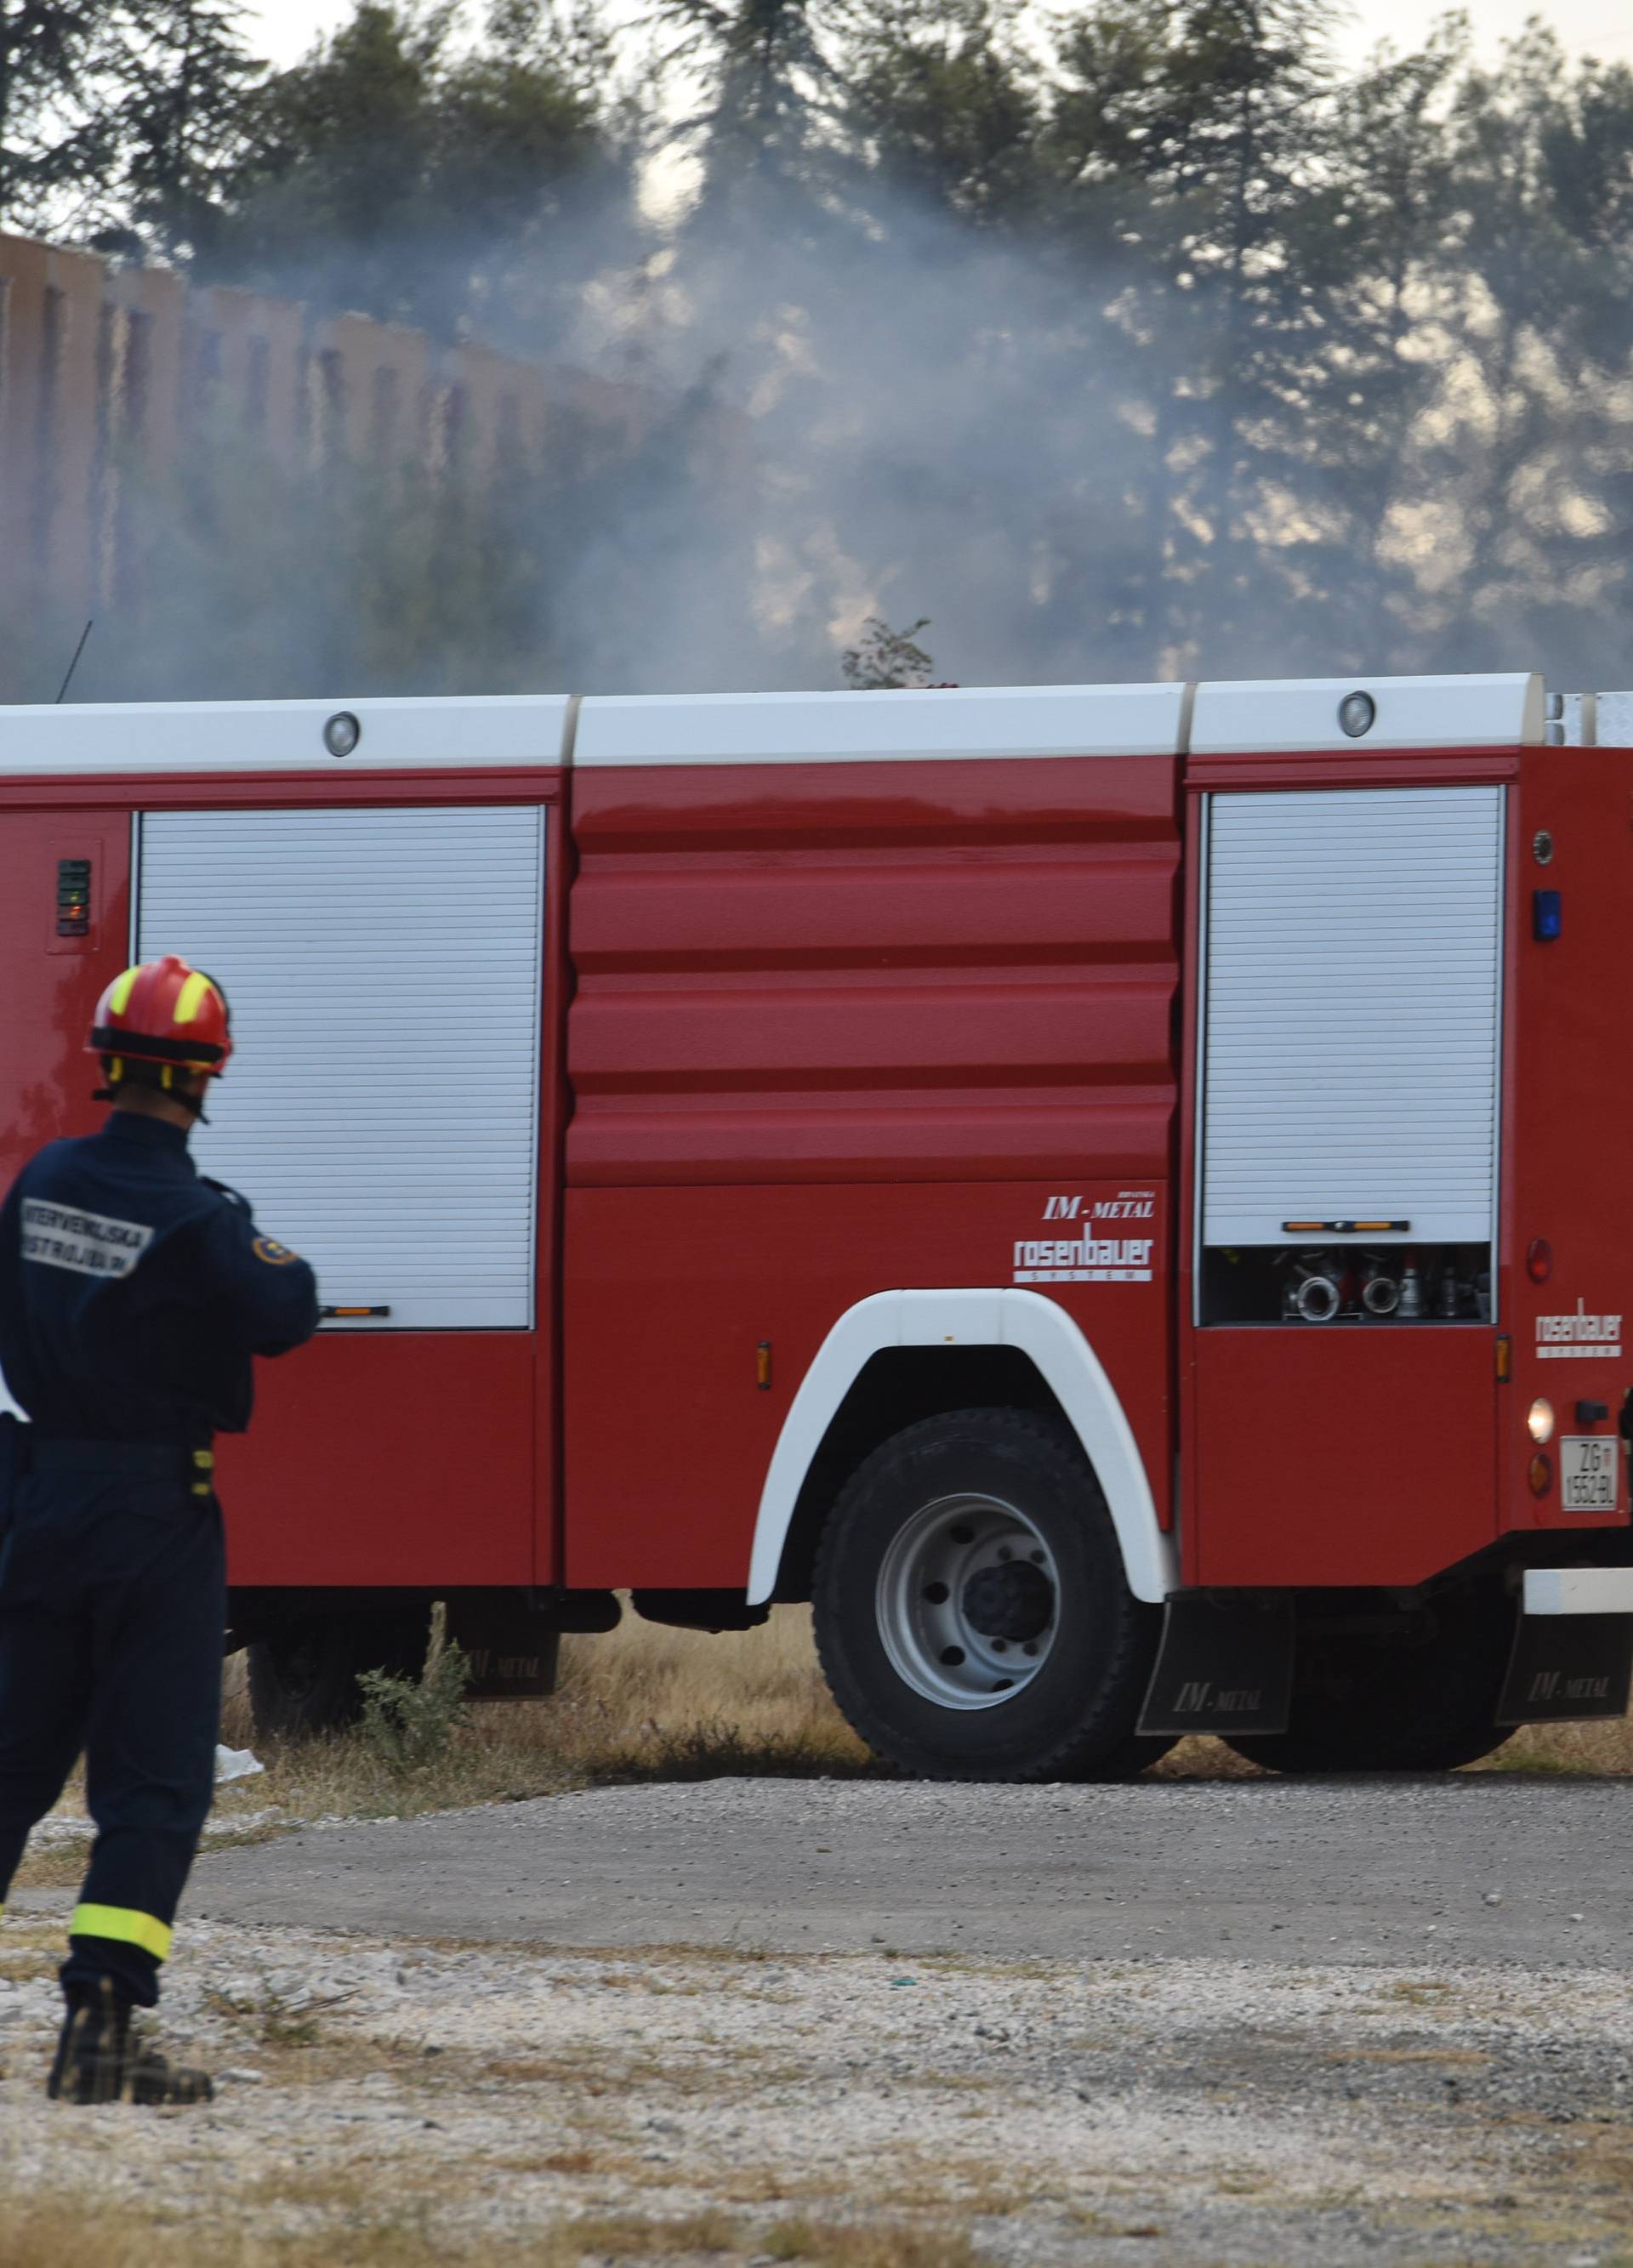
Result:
1425,1702
303,1679
1071,1711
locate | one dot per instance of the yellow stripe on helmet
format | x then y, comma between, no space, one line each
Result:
192,997
119,992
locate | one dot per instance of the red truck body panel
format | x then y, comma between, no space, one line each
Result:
1317,1458
813,1031
895,972
840,1029
669,1293
1567,1104
52,983
419,1458
1325,1457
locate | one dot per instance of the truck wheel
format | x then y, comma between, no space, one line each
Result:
303,1679
970,1608
1424,1705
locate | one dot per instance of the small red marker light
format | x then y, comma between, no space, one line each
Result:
1541,1474
1539,1260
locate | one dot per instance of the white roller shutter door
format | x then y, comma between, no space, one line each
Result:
385,972
1351,1007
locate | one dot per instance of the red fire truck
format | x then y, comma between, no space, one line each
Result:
1114,1193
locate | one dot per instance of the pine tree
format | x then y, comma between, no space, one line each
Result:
1186,140
397,170
768,88
56,133
184,122
949,110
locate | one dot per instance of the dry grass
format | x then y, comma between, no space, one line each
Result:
649,1703
641,1703
1549,1751
1565,1748
831,2244
646,1702
45,2233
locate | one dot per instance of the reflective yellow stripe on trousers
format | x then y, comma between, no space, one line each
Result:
125,1925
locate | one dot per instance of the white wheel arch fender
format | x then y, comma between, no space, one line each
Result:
1036,1327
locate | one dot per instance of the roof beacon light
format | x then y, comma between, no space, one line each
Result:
341,734
1356,713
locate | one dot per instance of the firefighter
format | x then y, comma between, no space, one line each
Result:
133,1293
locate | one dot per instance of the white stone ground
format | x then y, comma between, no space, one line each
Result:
1190,2111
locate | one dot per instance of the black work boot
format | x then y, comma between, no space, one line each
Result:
100,2059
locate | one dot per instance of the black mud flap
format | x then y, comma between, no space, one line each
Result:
517,1676
512,1654
1567,1669
1225,1665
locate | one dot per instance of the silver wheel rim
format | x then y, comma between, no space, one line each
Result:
963,1614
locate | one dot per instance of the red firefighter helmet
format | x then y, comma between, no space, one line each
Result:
162,1011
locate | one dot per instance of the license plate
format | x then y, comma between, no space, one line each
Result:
1589,1471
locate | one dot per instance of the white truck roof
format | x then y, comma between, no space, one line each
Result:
1596,720
610,731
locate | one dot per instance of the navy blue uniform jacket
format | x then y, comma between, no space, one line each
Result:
134,1291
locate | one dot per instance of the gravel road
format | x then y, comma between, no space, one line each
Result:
1265,1869
1216,2026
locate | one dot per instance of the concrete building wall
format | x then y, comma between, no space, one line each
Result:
49,363
112,376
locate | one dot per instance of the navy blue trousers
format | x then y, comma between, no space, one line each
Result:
112,1604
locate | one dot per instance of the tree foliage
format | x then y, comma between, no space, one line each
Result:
401,172
1135,337
56,132
766,85
884,659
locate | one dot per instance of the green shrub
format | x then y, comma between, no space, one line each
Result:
407,1722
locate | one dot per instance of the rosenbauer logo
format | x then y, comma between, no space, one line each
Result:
1088,1258
1577,1336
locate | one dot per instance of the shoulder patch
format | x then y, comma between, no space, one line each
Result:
275,1254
